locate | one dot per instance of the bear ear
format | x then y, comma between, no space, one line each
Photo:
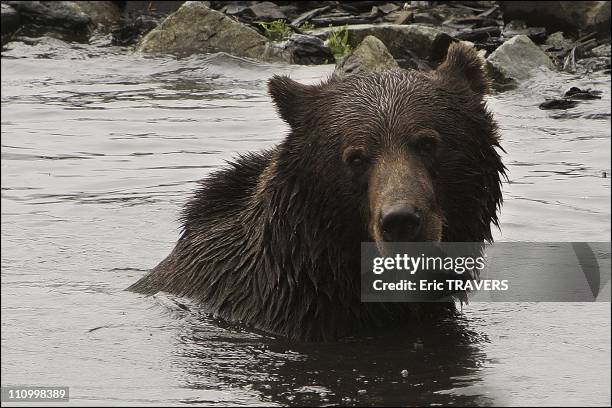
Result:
291,98
463,64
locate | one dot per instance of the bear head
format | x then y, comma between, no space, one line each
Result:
407,155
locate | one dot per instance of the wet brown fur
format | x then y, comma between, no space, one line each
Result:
273,240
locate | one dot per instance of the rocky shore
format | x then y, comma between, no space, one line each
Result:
516,38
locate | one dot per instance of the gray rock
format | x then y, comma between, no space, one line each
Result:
593,64
101,13
138,8
55,14
308,50
471,22
400,17
131,30
557,40
359,6
477,34
518,27
425,42
388,8
566,16
77,18
238,10
426,18
601,51
515,59
304,17
195,28
371,55
267,11
340,19
10,22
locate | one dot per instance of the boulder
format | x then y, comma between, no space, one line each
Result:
75,18
339,18
308,50
131,30
558,41
427,43
62,15
593,64
267,11
308,15
567,16
400,17
101,13
518,27
239,10
601,51
371,55
134,7
515,59
10,22
195,28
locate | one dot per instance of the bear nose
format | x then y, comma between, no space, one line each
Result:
400,222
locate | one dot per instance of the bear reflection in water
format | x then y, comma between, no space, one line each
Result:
422,366
273,240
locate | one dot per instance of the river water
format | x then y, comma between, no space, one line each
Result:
100,148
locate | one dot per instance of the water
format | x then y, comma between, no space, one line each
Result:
100,148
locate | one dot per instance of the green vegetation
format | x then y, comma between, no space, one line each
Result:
338,42
306,26
278,30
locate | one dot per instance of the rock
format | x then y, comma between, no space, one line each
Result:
304,17
427,43
514,60
558,41
359,6
309,50
371,55
582,94
593,64
478,34
518,27
400,17
101,13
139,8
473,22
239,10
339,19
492,12
558,104
10,22
600,51
195,28
267,11
75,18
64,15
426,18
489,45
130,31
388,8
567,16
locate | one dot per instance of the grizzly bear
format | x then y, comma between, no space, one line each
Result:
273,240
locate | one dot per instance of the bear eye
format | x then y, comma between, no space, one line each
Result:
426,143
355,158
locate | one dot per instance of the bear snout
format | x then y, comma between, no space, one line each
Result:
400,223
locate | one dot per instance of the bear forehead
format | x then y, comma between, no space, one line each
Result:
393,100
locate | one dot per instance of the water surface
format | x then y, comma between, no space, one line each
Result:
100,148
